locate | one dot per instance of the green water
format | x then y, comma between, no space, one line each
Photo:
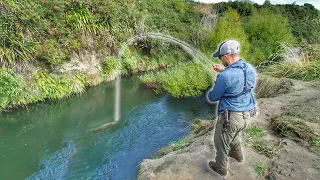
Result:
52,140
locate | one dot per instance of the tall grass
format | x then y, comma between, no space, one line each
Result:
183,80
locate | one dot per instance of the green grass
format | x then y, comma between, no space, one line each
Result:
260,169
317,166
173,146
307,71
183,80
181,143
259,143
264,147
157,156
255,132
315,142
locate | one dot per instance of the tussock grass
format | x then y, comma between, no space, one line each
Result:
268,86
305,71
293,127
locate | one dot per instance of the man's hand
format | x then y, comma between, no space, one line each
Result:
218,68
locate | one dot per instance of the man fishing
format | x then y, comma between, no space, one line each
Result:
234,91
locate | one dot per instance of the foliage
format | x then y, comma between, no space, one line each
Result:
11,87
184,80
257,142
180,6
315,142
79,17
265,31
306,71
129,62
14,45
268,86
304,21
47,34
109,65
244,8
228,27
51,87
51,53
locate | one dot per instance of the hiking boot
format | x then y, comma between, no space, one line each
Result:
236,155
213,166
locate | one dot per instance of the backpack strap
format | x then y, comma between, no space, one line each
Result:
245,89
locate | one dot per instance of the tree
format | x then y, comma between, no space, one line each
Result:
228,27
265,31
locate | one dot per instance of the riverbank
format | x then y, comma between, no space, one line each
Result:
281,143
71,78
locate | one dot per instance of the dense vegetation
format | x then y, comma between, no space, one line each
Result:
39,37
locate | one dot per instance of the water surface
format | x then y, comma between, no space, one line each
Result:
52,140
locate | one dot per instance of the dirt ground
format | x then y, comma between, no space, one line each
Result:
281,143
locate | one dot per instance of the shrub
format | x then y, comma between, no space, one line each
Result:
129,62
266,30
11,87
51,87
109,65
183,80
51,53
228,27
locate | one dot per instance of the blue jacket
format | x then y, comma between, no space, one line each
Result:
230,82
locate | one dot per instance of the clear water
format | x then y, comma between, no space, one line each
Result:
198,57
53,140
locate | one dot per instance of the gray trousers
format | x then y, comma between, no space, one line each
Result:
230,140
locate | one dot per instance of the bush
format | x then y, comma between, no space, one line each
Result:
228,27
51,87
109,65
51,53
266,30
11,87
129,62
304,21
181,81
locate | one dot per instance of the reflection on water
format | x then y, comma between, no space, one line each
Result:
52,140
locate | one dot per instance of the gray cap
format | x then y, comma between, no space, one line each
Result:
227,47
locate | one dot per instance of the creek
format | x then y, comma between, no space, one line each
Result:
52,140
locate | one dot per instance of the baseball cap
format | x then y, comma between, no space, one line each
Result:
227,47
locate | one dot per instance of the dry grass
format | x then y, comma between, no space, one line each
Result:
268,86
292,127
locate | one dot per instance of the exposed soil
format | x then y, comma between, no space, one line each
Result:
286,155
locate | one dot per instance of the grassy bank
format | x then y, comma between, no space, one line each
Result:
38,39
